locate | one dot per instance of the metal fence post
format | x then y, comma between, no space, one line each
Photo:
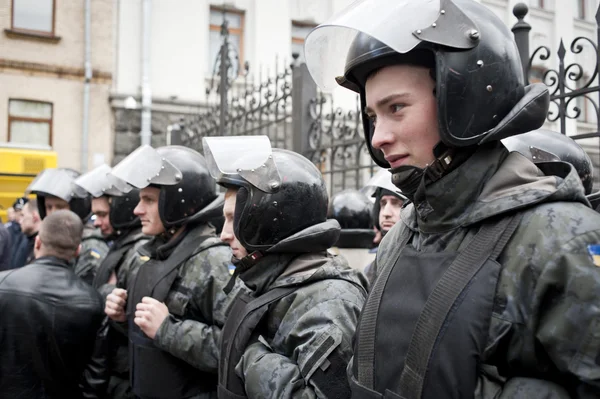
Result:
521,32
304,89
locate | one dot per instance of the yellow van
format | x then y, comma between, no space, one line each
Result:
19,165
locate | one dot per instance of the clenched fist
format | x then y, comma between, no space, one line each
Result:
115,305
149,315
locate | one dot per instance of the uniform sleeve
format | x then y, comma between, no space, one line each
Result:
567,297
198,342
314,366
92,253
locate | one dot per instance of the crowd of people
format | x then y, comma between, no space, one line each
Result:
466,268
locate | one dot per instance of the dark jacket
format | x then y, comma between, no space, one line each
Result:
307,334
5,248
16,235
47,330
23,253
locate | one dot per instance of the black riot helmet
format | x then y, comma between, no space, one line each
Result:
548,146
474,60
58,182
187,191
352,209
280,192
122,197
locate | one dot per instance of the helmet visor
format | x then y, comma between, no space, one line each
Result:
99,182
145,166
248,158
394,23
381,179
57,183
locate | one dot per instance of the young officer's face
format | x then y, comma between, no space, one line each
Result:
147,210
101,208
227,234
402,106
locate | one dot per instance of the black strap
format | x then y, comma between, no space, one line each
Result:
245,325
365,353
112,259
488,243
181,254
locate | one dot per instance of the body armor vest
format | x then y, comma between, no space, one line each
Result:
155,373
425,324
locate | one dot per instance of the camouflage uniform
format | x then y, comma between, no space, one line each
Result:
93,250
545,323
196,294
305,330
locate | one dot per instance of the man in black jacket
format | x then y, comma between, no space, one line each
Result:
49,317
5,248
30,225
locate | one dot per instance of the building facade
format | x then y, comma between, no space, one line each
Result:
46,97
151,62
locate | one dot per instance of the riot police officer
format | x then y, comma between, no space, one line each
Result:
175,306
486,286
113,202
292,336
386,209
352,209
54,190
388,200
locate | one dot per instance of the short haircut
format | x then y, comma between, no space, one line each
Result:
32,206
60,234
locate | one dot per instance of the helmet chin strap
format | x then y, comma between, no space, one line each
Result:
241,265
169,233
409,178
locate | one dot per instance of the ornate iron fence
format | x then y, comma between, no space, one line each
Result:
337,146
288,108
236,105
569,83
264,108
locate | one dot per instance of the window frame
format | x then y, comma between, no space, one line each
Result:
301,24
30,119
239,32
540,4
33,31
582,8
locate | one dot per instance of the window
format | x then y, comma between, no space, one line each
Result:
29,122
35,16
299,32
235,19
545,4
